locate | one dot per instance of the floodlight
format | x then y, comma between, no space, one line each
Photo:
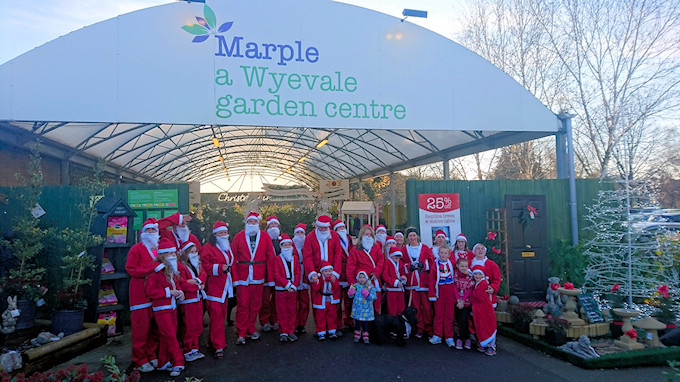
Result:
413,13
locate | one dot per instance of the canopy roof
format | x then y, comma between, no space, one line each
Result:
306,90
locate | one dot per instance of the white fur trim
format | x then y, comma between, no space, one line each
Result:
159,267
320,224
337,275
398,234
433,299
298,229
150,226
220,228
188,245
341,224
216,269
181,219
285,241
325,267
167,250
396,253
167,292
273,221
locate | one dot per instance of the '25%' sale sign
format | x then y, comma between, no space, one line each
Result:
439,212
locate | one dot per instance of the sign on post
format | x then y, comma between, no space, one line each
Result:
438,212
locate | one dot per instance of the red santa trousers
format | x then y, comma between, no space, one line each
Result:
248,304
345,311
420,301
217,312
444,312
377,304
192,325
302,307
169,350
144,336
326,319
286,311
268,308
395,302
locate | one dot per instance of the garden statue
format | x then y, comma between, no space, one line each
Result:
9,316
552,296
46,337
580,348
10,361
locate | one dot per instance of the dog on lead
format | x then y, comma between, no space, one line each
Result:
401,325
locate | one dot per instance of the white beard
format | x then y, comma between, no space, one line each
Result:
299,241
381,237
252,229
343,234
274,232
287,253
193,259
223,243
150,240
367,242
183,233
173,263
323,236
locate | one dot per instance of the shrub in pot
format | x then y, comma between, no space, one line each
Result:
522,315
556,332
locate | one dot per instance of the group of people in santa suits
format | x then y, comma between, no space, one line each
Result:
277,277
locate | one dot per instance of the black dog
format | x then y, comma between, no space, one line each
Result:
385,324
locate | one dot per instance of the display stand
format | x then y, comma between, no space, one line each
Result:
114,223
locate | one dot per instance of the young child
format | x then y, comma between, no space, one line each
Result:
286,282
363,293
193,278
163,288
302,312
483,315
461,249
463,284
325,300
394,274
442,293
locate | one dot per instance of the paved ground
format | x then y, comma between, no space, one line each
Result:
342,360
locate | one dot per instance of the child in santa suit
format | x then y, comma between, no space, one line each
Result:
286,282
302,312
483,314
461,249
139,264
267,315
394,274
164,288
325,300
442,293
364,293
380,235
345,306
194,278
491,270
217,260
463,284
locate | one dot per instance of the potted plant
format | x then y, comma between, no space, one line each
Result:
522,315
663,303
25,279
556,332
615,299
77,263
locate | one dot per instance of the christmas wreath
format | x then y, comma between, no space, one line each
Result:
527,217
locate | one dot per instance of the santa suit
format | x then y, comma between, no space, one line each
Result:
346,318
303,292
392,272
192,306
417,284
441,291
164,308
171,221
268,309
325,300
286,275
141,263
250,270
219,288
493,275
314,252
483,315
369,262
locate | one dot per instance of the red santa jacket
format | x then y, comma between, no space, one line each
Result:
287,275
369,262
312,256
483,314
140,263
440,274
325,291
252,267
391,274
418,280
170,221
303,278
158,288
493,274
192,292
220,284
346,248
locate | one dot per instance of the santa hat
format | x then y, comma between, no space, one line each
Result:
150,223
478,269
166,246
176,219
285,239
253,215
394,251
390,239
220,226
380,227
325,265
324,221
300,227
187,245
360,272
474,249
398,234
461,237
272,219
337,224
440,232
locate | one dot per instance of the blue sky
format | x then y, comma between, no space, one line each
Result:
27,24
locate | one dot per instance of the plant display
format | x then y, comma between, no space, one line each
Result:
556,324
74,373
663,302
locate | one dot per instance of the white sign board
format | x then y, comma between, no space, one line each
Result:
438,212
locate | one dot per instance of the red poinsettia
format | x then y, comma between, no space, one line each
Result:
631,333
615,288
663,290
495,250
568,286
532,210
505,297
491,236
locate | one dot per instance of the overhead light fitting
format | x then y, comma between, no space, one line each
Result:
216,141
413,13
222,159
302,159
322,144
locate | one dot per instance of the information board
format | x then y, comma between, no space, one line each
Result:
590,306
